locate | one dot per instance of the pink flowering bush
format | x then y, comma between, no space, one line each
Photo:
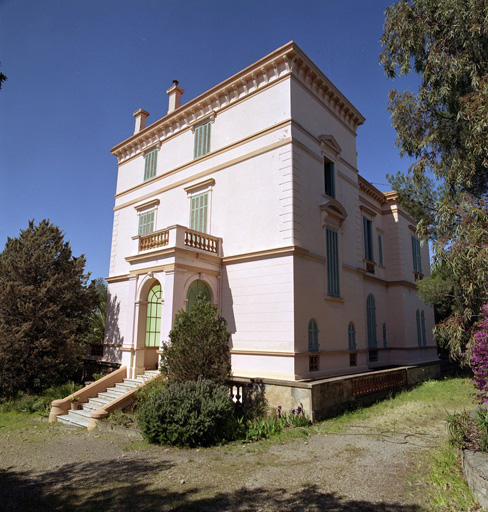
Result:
479,357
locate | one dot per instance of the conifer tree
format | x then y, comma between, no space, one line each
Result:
45,306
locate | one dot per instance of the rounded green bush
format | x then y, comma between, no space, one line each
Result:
192,413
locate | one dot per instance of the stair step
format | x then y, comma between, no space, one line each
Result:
123,387
75,420
134,382
99,402
107,395
65,421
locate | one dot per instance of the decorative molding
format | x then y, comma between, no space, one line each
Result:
202,184
370,190
328,142
331,208
367,210
283,62
148,204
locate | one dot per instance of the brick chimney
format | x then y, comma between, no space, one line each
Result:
141,116
174,93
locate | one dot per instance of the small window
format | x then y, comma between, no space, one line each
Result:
416,255
202,140
422,322
380,249
353,359
384,336
351,336
313,363
332,263
199,213
150,164
313,336
368,239
329,178
419,329
373,356
146,222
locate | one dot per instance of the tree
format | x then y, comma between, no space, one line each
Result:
45,306
198,345
3,78
444,127
96,334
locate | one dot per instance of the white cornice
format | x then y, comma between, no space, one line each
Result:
285,61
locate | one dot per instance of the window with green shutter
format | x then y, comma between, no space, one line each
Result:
332,263
380,249
313,336
384,336
329,178
419,329
150,164
422,322
153,316
351,336
202,140
368,239
199,212
371,321
416,255
146,222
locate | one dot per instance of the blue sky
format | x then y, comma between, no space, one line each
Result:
77,70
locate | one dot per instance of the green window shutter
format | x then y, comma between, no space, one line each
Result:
333,288
150,164
313,336
384,336
371,321
380,249
146,223
329,178
419,331
368,239
351,336
416,255
424,337
199,213
202,140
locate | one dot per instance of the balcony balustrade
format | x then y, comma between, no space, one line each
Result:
180,236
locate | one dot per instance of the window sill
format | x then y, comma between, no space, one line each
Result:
331,298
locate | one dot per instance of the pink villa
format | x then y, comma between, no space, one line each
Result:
250,193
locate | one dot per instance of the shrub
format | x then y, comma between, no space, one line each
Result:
469,432
479,356
198,345
192,413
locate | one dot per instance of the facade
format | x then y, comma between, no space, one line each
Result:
250,193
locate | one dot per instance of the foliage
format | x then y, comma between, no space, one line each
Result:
45,304
192,413
3,78
467,432
198,345
479,357
444,127
96,333
269,426
253,403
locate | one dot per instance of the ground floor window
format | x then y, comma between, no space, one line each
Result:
195,289
153,317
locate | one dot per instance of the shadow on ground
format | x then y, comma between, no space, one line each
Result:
128,485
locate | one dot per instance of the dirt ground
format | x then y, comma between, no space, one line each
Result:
53,467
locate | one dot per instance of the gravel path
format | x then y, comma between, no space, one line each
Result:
53,467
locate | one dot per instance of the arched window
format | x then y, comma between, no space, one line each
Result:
371,321
313,336
384,335
351,336
419,330
195,289
153,316
424,337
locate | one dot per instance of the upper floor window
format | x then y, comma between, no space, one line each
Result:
329,178
368,239
332,263
150,164
380,249
202,140
199,212
416,255
313,336
146,222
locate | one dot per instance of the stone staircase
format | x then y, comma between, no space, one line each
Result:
81,416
